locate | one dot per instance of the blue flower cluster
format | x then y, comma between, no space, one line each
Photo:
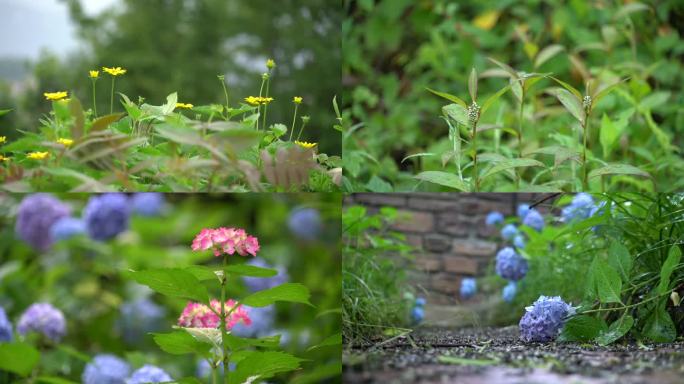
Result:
305,223
519,241
44,319
139,317
5,327
418,311
522,210
148,203
106,369
509,231
36,215
534,220
262,322
510,265
509,291
106,215
149,374
582,207
260,283
468,287
494,218
66,228
544,319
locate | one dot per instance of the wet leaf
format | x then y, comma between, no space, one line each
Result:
619,328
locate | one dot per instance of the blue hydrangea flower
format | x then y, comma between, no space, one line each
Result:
106,369
522,210
106,215
544,319
36,215
519,241
509,291
139,317
43,318
510,265
262,322
509,231
5,327
260,283
148,203
580,208
420,301
305,223
468,287
494,218
149,374
417,314
534,220
66,228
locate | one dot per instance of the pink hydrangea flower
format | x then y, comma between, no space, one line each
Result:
196,315
226,240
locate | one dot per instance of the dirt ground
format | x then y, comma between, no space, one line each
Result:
496,355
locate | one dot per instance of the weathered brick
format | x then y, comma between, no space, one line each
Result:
381,199
416,222
434,242
445,283
429,204
429,262
415,240
474,248
452,224
460,265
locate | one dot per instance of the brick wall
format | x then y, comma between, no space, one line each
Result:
449,233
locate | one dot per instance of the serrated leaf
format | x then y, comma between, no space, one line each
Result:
582,328
620,259
659,326
673,257
19,358
472,84
291,292
618,169
172,283
547,53
449,97
608,282
619,328
180,343
570,102
510,164
443,178
263,365
235,342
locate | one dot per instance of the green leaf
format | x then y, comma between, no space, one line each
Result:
620,259
510,164
76,109
608,283
570,102
335,339
53,380
569,87
630,8
3,112
590,293
619,328
19,358
605,91
673,257
423,154
547,53
235,342
488,103
582,328
472,84
560,154
292,292
618,169
654,100
173,283
443,178
608,134
659,326
449,97
263,365
378,185
445,359
180,343
103,122
458,113
505,67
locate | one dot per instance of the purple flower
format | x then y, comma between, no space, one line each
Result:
262,322
43,318
260,283
510,265
106,369
534,220
522,210
139,317
544,319
582,207
509,291
494,218
149,374
37,213
66,228
147,203
106,215
5,327
519,241
509,231
468,287
305,223
417,314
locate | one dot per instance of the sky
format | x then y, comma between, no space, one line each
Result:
27,26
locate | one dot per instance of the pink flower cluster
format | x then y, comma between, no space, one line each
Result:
226,240
196,315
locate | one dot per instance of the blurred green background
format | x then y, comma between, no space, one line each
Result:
85,279
181,45
394,49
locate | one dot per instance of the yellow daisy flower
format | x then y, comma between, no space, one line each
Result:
38,155
65,142
94,74
183,105
270,64
297,100
115,71
253,100
3,139
55,95
3,158
304,144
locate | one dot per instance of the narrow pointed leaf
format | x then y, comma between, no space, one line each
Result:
570,102
443,178
602,92
472,84
505,67
547,53
618,169
494,98
449,97
569,87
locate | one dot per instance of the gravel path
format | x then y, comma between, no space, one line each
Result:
496,355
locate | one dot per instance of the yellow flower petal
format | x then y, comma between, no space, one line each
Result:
486,20
38,155
3,139
65,142
55,95
184,106
115,71
270,64
94,74
304,144
297,100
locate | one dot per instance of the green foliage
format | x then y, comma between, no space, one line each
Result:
583,80
373,277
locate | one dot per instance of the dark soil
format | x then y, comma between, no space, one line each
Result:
492,355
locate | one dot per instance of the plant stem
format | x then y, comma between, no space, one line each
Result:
213,374
224,335
631,305
111,99
520,119
475,174
268,87
585,130
94,102
294,120
225,93
300,131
